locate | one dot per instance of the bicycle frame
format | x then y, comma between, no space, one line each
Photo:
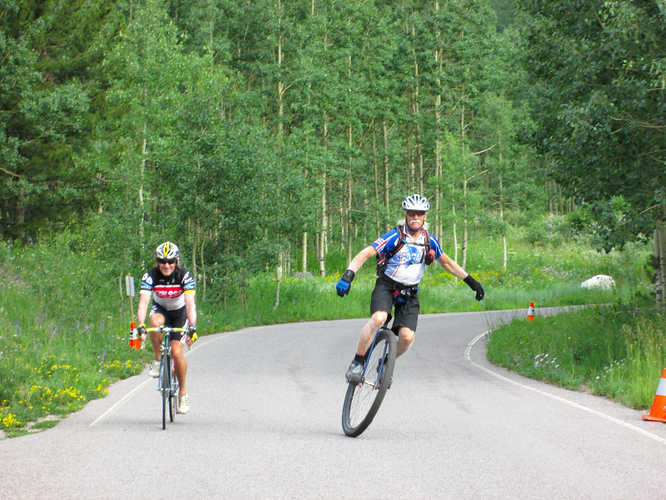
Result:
167,382
165,350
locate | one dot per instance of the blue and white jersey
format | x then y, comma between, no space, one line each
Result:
407,265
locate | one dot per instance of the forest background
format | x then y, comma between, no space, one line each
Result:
273,137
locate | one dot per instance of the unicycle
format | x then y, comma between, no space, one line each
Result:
363,400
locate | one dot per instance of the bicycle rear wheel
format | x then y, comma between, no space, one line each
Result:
165,388
362,401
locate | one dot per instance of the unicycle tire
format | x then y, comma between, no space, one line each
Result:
363,400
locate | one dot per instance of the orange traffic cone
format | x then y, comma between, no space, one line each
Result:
658,410
134,341
530,312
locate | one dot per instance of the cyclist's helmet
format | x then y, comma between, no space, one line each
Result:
167,250
416,202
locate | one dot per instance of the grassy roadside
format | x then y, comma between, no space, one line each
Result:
64,320
616,351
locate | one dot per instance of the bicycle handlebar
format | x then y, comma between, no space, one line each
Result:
169,329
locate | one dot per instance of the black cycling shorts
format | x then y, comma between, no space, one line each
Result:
175,319
406,314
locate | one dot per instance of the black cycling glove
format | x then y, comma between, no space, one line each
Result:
476,286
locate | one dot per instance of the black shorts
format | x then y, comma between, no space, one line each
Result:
406,314
175,319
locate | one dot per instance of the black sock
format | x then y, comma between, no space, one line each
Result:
359,359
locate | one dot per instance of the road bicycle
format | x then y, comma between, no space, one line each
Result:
363,400
167,383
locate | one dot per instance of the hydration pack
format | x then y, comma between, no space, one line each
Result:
428,255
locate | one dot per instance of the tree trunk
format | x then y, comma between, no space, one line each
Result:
142,171
501,199
195,243
416,111
438,142
323,229
386,170
203,269
304,249
463,262
347,215
278,280
376,167
20,212
438,172
660,257
281,90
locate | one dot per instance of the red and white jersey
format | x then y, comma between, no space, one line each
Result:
168,291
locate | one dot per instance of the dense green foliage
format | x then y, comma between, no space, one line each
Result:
599,103
279,133
250,131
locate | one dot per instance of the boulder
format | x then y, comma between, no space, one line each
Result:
599,281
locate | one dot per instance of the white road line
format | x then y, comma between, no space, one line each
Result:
468,350
115,407
127,396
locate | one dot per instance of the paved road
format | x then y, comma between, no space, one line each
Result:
265,423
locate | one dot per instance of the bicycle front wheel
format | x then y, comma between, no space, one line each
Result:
165,388
173,394
362,401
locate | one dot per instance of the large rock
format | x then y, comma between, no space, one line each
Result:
599,281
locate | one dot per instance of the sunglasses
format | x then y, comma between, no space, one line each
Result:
413,213
166,261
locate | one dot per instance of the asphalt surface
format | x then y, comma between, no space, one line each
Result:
265,422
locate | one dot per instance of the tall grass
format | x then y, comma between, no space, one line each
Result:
614,351
534,274
64,315
62,335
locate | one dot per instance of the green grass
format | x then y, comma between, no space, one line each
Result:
64,319
63,336
613,351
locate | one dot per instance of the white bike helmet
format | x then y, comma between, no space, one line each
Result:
167,251
416,202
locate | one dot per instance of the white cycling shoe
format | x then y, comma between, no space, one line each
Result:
183,404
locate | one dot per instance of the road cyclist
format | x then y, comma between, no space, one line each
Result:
172,289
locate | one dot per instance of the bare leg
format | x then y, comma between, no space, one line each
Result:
180,364
405,339
369,330
156,320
